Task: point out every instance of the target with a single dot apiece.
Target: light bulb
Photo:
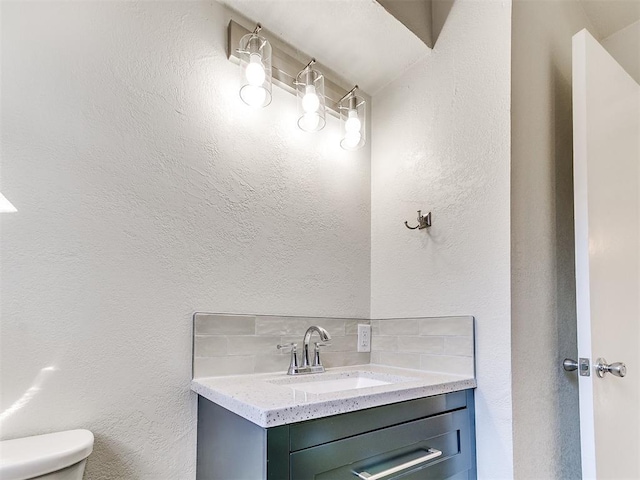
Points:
(353, 123)
(309, 122)
(310, 101)
(255, 70)
(253, 96)
(351, 139)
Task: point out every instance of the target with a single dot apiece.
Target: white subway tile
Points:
(384, 343)
(279, 326)
(458, 346)
(402, 360)
(206, 324)
(375, 358)
(292, 326)
(447, 326)
(333, 359)
(217, 366)
(210, 346)
(252, 345)
(375, 327)
(357, 358)
(399, 326)
(351, 326)
(272, 363)
(347, 343)
(447, 364)
(421, 344)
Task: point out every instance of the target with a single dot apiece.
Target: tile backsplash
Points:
(237, 344)
(441, 344)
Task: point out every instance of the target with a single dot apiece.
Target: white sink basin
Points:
(349, 383)
(328, 383)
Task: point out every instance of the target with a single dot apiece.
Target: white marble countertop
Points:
(270, 399)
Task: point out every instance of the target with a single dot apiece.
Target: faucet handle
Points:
(293, 364)
(316, 353)
(288, 346)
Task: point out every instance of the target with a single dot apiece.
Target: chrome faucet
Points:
(325, 338)
(317, 367)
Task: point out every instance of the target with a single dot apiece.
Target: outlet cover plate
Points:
(364, 338)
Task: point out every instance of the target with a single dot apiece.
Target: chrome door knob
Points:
(582, 365)
(618, 369)
(569, 365)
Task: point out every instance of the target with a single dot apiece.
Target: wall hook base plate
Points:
(424, 221)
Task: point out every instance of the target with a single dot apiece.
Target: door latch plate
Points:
(585, 367)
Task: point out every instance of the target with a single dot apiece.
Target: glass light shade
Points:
(311, 101)
(255, 66)
(353, 117)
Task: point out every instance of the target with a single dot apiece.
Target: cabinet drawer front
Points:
(384, 450)
(329, 429)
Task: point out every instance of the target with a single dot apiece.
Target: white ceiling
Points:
(357, 39)
(609, 16)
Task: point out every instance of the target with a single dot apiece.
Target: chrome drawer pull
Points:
(431, 454)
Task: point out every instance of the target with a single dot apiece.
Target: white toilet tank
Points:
(54, 456)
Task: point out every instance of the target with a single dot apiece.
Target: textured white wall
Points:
(441, 143)
(545, 398)
(145, 190)
(624, 46)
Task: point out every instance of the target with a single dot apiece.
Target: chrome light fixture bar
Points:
(284, 68)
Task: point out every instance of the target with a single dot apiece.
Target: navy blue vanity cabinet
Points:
(426, 438)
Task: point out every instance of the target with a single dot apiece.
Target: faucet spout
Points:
(324, 336)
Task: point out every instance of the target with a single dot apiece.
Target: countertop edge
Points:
(283, 415)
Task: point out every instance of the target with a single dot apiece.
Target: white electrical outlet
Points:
(364, 338)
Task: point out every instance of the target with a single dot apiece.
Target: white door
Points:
(606, 126)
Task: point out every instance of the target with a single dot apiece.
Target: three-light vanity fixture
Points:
(262, 65)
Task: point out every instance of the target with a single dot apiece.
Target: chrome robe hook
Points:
(424, 221)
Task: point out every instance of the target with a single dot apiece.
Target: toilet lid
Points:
(24, 458)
